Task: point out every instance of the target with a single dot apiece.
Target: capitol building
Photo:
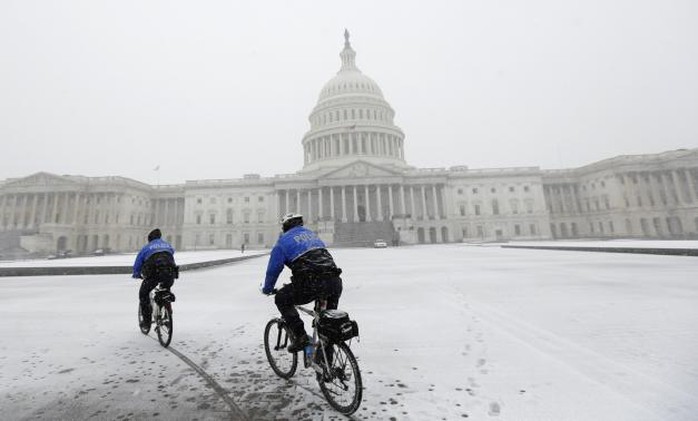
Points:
(356, 186)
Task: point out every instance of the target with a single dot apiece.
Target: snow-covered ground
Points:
(447, 332)
(183, 257)
(659, 244)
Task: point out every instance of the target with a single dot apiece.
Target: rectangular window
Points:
(212, 219)
(477, 209)
(260, 238)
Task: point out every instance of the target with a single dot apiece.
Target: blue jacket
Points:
(291, 245)
(148, 250)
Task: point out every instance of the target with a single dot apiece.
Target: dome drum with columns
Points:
(355, 187)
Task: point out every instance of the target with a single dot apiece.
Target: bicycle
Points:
(328, 354)
(161, 300)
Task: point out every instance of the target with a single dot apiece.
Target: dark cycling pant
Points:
(148, 285)
(302, 292)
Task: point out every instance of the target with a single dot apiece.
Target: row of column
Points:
(28, 210)
(679, 183)
(169, 211)
(334, 145)
(675, 185)
(363, 202)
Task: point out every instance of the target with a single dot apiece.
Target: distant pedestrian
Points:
(242, 248)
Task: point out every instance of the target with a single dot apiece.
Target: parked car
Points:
(380, 244)
(102, 251)
(61, 255)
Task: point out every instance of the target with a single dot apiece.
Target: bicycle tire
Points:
(164, 325)
(277, 338)
(343, 380)
(144, 330)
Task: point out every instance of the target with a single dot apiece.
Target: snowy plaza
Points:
(448, 332)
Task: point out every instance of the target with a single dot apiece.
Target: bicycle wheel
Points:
(277, 338)
(144, 330)
(164, 325)
(341, 384)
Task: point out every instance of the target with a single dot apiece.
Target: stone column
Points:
(356, 207)
(423, 199)
(390, 201)
(692, 194)
(176, 213)
(13, 212)
(379, 203)
(23, 211)
(344, 204)
(319, 201)
(368, 203)
(412, 201)
(54, 211)
(332, 203)
(2, 211)
(277, 197)
(75, 211)
(298, 201)
(436, 204)
(310, 205)
(32, 217)
(44, 209)
(64, 214)
(286, 205)
(402, 200)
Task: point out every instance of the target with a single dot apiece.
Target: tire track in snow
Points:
(237, 412)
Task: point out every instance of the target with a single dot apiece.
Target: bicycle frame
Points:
(317, 342)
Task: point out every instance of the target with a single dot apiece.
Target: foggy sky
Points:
(218, 89)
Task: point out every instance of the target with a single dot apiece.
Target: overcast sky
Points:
(218, 89)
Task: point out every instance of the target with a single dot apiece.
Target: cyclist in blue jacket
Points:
(155, 264)
(313, 275)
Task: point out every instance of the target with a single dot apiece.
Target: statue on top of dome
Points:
(346, 37)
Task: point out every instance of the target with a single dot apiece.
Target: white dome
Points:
(350, 82)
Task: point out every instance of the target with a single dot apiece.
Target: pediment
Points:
(40, 179)
(360, 169)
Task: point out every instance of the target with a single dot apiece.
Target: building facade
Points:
(356, 186)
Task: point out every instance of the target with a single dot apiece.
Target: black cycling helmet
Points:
(154, 234)
(291, 220)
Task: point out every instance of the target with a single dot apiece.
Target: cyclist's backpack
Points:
(336, 326)
(161, 266)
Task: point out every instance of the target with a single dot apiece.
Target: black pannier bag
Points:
(164, 296)
(336, 326)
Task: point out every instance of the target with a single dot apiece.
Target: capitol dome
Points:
(352, 120)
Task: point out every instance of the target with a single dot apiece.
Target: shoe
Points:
(299, 342)
(145, 324)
